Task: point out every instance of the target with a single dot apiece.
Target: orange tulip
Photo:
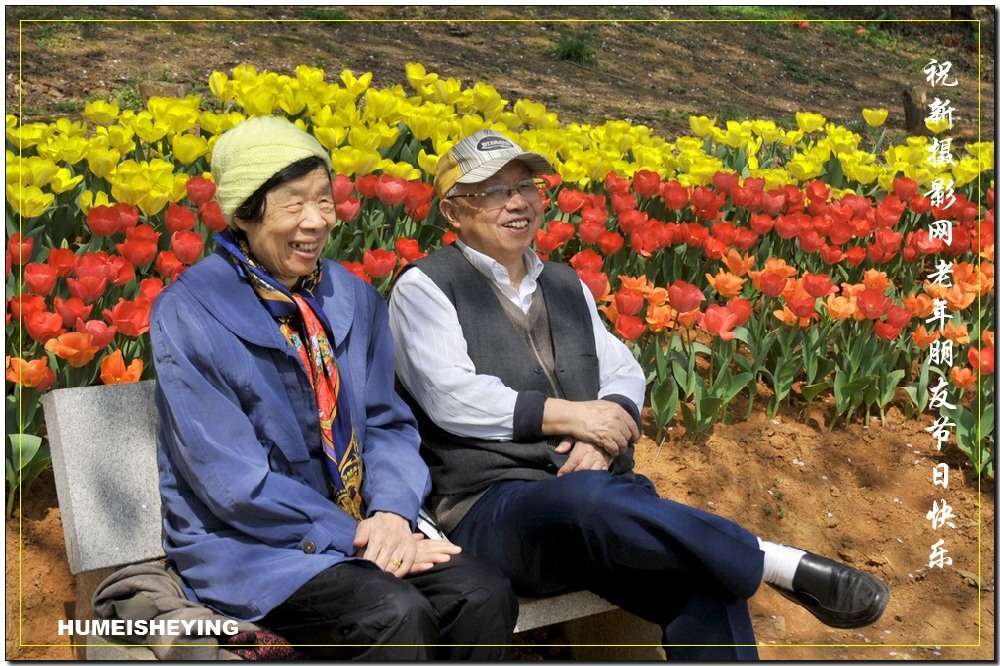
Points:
(113, 369)
(923, 339)
(657, 296)
(959, 334)
(840, 307)
(659, 317)
(77, 349)
(736, 264)
(30, 374)
(688, 319)
(987, 338)
(726, 284)
(877, 280)
(920, 305)
(963, 378)
(786, 316)
(640, 283)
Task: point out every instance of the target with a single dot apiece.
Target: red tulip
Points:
(130, 317)
(831, 254)
(43, 325)
(772, 284)
(391, 190)
(810, 241)
(872, 303)
(570, 201)
(348, 211)
(150, 288)
(586, 260)
(179, 218)
(802, 306)
(726, 181)
(818, 286)
(365, 185)
(88, 288)
(596, 282)
(357, 269)
(62, 260)
(122, 271)
(40, 278)
(23, 304)
(448, 238)
(103, 221)
(855, 255)
(187, 246)
(379, 263)
(343, 188)
(71, 309)
(168, 265)
(20, 248)
(622, 202)
(674, 195)
(100, 333)
(982, 361)
(684, 297)
(629, 327)
(409, 249)
(629, 301)
(718, 320)
(590, 232)
(140, 244)
(610, 242)
(646, 183)
(594, 215)
(615, 184)
(740, 307)
(200, 190)
(211, 216)
(761, 223)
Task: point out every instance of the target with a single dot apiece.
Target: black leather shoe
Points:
(838, 595)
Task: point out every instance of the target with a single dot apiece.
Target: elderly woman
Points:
(289, 467)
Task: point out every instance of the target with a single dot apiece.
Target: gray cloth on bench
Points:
(149, 592)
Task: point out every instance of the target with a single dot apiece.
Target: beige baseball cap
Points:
(479, 156)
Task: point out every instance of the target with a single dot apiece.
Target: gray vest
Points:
(551, 350)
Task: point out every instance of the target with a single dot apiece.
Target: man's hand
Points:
(582, 455)
(600, 422)
(387, 540)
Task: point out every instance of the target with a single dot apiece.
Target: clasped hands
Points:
(387, 540)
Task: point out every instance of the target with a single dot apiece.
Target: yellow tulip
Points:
(148, 129)
(351, 161)
(40, 171)
(257, 100)
(64, 181)
(399, 169)
(487, 100)
(101, 112)
(875, 117)
(330, 137)
(702, 125)
(28, 135)
(29, 201)
(310, 77)
(292, 100)
(529, 112)
(422, 125)
(101, 161)
(417, 76)
(427, 162)
(942, 124)
(382, 105)
(356, 86)
(809, 122)
(188, 147)
(220, 86)
(217, 123)
(89, 199)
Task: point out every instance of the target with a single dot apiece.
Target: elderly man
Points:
(529, 409)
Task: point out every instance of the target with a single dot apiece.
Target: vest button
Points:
(309, 547)
(538, 370)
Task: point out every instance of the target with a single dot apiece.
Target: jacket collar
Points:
(217, 284)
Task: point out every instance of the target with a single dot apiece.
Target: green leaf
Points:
(24, 447)
(811, 391)
(663, 401)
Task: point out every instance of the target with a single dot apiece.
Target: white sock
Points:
(780, 563)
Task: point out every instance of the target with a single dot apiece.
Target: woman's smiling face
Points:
(298, 217)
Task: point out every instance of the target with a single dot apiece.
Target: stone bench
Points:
(103, 442)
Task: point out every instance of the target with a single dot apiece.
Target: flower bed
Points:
(796, 261)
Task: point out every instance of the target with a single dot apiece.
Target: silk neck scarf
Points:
(305, 326)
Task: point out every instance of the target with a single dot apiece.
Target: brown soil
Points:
(857, 494)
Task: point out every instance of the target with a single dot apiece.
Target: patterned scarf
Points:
(292, 310)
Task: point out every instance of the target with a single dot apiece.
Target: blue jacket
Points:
(247, 518)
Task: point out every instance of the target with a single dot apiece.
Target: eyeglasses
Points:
(498, 195)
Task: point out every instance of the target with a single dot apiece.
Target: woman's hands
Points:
(387, 540)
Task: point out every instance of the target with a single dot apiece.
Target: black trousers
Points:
(462, 609)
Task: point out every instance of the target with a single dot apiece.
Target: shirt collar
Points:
(496, 271)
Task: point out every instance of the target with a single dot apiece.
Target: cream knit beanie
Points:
(246, 156)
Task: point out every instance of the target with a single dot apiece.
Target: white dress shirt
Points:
(432, 359)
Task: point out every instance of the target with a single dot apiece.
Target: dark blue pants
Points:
(686, 570)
